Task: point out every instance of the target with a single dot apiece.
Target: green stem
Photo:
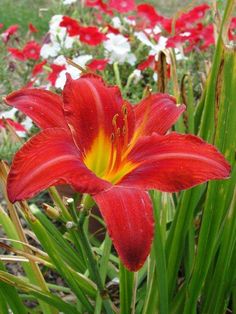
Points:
(117, 75)
(103, 269)
(58, 201)
(91, 261)
(126, 289)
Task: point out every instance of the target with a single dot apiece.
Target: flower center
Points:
(107, 157)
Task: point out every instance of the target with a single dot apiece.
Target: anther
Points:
(114, 119)
(124, 110)
(124, 130)
(112, 137)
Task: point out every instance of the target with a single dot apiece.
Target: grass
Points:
(24, 12)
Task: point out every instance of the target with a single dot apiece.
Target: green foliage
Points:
(8, 148)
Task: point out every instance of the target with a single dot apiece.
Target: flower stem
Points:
(88, 253)
(117, 74)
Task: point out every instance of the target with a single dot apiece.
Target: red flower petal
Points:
(31, 50)
(38, 68)
(9, 32)
(32, 28)
(147, 63)
(98, 4)
(72, 25)
(157, 113)
(97, 64)
(90, 107)
(174, 162)
(129, 218)
(17, 126)
(43, 107)
(56, 70)
(16, 53)
(49, 158)
(122, 6)
(91, 35)
(147, 16)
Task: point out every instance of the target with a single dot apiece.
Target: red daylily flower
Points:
(122, 6)
(97, 142)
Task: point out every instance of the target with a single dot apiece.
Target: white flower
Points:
(161, 45)
(55, 21)
(179, 55)
(129, 21)
(156, 30)
(116, 22)
(50, 50)
(155, 77)
(136, 75)
(73, 71)
(58, 38)
(58, 34)
(143, 38)
(155, 48)
(9, 114)
(68, 2)
(117, 49)
(60, 60)
(185, 34)
(27, 123)
(131, 59)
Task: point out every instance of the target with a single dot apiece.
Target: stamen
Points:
(118, 149)
(125, 128)
(111, 161)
